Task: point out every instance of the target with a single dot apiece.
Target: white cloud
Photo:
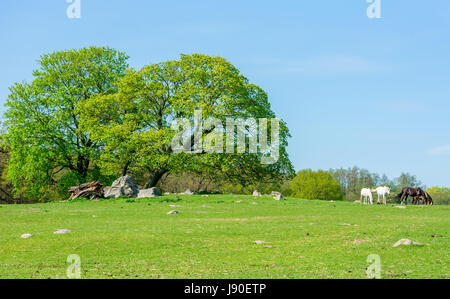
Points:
(439, 151)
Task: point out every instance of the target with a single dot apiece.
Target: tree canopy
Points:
(135, 124)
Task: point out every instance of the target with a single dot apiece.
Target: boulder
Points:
(123, 186)
(257, 193)
(406, 242)
(62, 232)
(189, 192)
(147, 193)
(278, 196)
(173, 213)
(26, 236)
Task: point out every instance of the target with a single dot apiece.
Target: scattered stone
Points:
(167, 193)
(400, 207)
(205, 195)
(174, 206)
(257, 194)
(62, 232)
(26, 236)
(347, 224)
(254, 203)
(173, 213)
(123, 186)
(149, 193)
(268, 246)
(259, 242)
(206, 207)
(357, 201)
(406, 242)
(239, 201)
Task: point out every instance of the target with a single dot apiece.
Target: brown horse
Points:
(425, 199)
(408, 191)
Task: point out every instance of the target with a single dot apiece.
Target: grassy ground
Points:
(214, 237)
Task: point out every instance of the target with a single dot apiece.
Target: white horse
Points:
(382, 191)
(367, 194)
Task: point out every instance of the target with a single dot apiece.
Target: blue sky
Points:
(353, 90)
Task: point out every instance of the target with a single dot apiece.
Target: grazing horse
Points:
(428, 199)
(367, 194)
(408, 191)
(424, 198)
(382, 191)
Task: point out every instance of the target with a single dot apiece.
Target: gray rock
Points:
(400, 207)
(189, 192)
(406, 242)
(26, 236)
(259, 242)
(257, 193)
(147, 193)
(279, 196)
(123, 186)
(172, 213)
(62, 232)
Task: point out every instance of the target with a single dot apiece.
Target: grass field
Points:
(214, 237)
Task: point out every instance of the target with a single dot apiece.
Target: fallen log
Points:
(90, 190)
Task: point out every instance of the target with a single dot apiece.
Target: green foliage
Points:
(320, 184)
(133, 125)
(42, 126)
(440, 195)
(407, 180)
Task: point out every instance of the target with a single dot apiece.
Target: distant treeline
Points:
(352, 180)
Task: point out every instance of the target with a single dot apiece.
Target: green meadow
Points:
(214, 237)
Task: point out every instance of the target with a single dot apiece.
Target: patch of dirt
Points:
(360, 241)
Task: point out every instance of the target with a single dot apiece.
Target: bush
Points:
(315, 185)
(440, 195)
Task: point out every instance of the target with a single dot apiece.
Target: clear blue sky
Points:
(353, 90)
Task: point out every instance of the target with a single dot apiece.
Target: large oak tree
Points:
(133, 125)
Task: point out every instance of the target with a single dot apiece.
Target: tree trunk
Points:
(89, 190)
(154, 178)
(125, 169)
